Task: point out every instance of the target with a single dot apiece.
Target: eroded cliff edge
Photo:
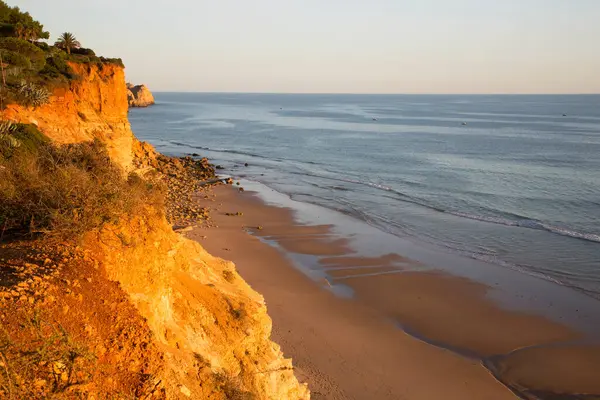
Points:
(212, 329)
(92, 106)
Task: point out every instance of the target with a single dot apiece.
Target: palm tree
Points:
(67, 41)
(20, 30)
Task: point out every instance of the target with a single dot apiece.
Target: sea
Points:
(511, 180)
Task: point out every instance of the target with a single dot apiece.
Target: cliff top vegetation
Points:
(30, 67)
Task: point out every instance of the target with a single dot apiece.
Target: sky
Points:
(340, 46)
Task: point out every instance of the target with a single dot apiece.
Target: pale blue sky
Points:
(341, 46)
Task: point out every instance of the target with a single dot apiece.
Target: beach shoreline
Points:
(353, 323)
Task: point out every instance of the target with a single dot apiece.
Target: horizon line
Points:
(378, 94)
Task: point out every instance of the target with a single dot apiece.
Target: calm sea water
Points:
(512, 180)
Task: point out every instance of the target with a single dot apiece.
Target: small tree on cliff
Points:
(67, 41)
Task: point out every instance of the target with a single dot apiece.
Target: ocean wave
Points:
(480, 254)
(508, 219)
(529, 224)
(574, 234)
(244, 153)
(513, 220)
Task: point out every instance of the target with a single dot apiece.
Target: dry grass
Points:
(231, 387)
(66, 191)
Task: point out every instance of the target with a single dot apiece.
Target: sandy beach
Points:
(400, 333)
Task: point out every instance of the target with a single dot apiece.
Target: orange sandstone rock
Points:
(94, 106)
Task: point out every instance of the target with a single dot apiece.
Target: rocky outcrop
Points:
(139, 96)
(94, 106)
(213, 328)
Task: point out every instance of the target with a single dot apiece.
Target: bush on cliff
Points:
(57, 67)
(14, 22)
(33, 53)
(66, 191)
(83, 51)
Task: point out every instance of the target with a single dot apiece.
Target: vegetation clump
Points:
(64, 191)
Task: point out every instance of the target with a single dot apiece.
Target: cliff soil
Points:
(68, 331)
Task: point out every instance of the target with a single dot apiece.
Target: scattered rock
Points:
(184, 178)
(185, 391)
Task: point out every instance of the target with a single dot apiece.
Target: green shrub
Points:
(24, 137)
(50, 71)
(15, 59)
(83, 51)
(45, 47)
(6, 29)
(36, 56)
(116, 61)
(14, 22)
(84, 59)
(30, 137)
(8, 141)
(66, 191)
(56, 66)
(33, 95)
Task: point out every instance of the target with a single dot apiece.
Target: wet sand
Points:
(376, 327)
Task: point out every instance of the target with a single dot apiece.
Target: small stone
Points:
(185, 391)
(58, 367)
(39, 383)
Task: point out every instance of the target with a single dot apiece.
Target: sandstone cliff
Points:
(95, 106)
(211, 327)
(139, 96)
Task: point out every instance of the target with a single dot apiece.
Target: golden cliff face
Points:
(95, 106)
(213, 328)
